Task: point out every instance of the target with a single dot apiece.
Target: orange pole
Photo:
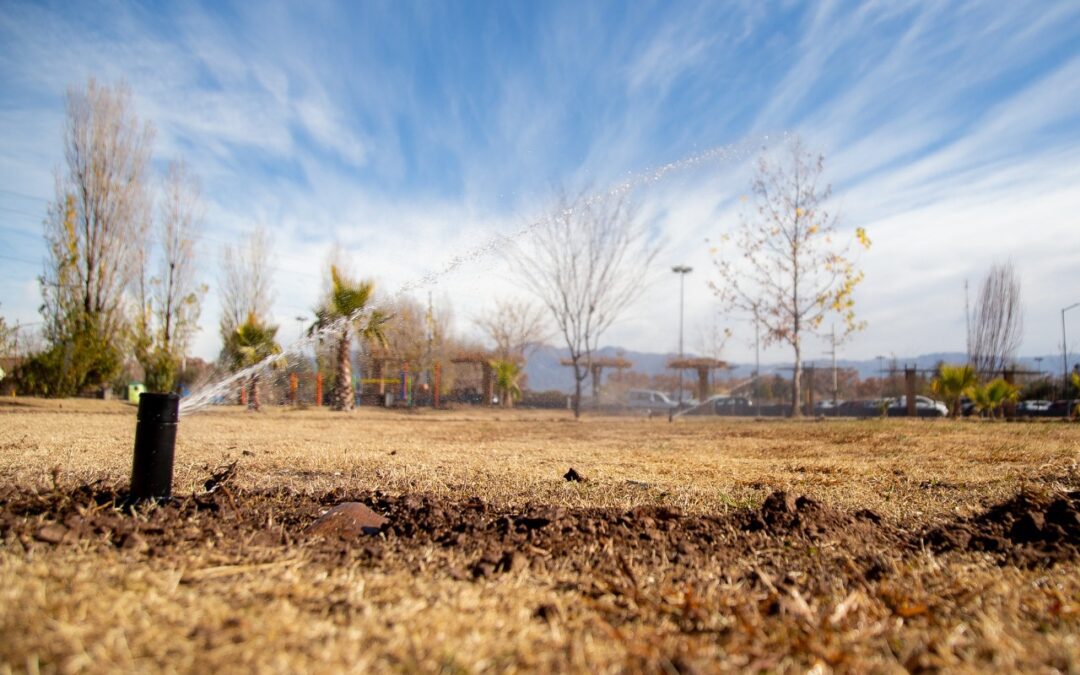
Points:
(244, 394)
(318, 389)
(294, 383)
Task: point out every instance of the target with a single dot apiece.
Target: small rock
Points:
(53, 533)
(347, 521)
(574, 476)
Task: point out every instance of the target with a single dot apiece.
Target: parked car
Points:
(1062, 408)
(967, 406)
(730, 405)
(828, 408)
(860, 408)
(924, 407)
(1033, 408)
(647, 399)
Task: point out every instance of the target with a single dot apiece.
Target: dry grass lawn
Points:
(870, 597)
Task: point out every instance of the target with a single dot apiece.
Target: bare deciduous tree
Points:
(711, 339)
(788, 271)
(514, 326)
(9, 338)
(170, 298)
(997, 321)
(246, 285)
(93, 231)
(586, 262)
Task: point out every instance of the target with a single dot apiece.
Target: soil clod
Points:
(220, 477)
(347, 521)
(575, 477)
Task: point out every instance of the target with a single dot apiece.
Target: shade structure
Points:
(703, 366)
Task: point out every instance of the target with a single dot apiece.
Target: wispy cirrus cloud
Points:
(411, 134)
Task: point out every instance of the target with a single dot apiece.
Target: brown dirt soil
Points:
(1030, 529)
(496, 539)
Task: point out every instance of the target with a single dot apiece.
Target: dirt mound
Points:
(783, 514)
(1029, 529)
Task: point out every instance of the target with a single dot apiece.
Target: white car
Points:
(647, 399)
(924, 407)
(1032, 407)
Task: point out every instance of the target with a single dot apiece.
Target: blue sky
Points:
(411, 133)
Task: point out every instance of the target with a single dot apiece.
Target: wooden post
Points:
(809, 371)
(438, 385)
(597, 371)
(318, 390)
(294, 384)
(405, 383)
(909, 391)
(703, 384)
(488, 383)
(244, 394)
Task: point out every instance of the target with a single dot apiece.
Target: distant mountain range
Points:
(545, 372)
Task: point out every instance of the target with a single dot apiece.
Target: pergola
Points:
(487, 373)
(703, 366)
(597, 370)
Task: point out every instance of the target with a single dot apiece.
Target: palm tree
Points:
(344, 310)
(507, 373)
(251, 343)
(952, 383)
(992, 395)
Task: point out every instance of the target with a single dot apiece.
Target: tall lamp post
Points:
(682, 271)
(881, 375)
(1065, 347)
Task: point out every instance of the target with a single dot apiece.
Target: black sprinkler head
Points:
(155, 441)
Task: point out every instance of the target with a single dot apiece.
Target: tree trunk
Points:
(253, 396)
(342, 396)
(796, 383)
(577, 394)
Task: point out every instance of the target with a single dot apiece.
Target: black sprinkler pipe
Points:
(155, 440)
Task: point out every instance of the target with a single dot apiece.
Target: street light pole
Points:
(682, 271)
(1065, 347)
(881, 375)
